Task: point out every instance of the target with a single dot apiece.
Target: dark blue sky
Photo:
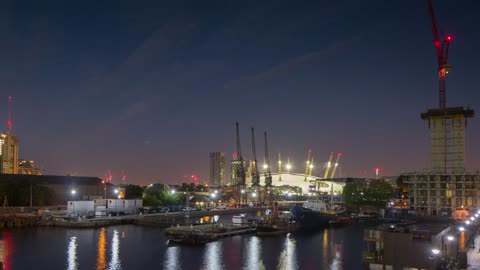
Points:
(152, 87)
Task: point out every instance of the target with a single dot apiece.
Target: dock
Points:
(217, 231)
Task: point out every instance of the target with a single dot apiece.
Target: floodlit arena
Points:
(294, 179)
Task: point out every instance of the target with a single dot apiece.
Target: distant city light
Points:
(450, 238)
(461, 228)
(435, 251)
(74, 191)
(265, 166)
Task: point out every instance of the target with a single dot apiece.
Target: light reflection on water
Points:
(254, 254)
(115, 263)
(288, 257)
(213, 258)
(102, 246)
(337, 258)
(144, 249)
(172, 258)
(6, 250)
(72, 263)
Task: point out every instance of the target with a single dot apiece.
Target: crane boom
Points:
(255, 175)
(241, 168)
(441, 48)
(335, 165)
(268, 173)
(329, 164)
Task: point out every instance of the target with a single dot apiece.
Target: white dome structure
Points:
(295, 179)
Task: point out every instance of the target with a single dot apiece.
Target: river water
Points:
(138, 247)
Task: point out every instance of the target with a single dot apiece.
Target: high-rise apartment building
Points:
(217, 168)
(8, 153)
(447, 138)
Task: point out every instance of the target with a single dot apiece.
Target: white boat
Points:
(240, 219)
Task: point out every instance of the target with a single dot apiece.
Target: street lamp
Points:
(104, 189)
(73, 198)
(461, 228)
(213, 195)
(450, 238)
(435, 251)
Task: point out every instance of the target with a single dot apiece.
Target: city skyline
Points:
(152, 88)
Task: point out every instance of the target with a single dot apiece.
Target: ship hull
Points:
(309, 219)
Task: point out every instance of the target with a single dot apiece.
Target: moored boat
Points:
(313, 214)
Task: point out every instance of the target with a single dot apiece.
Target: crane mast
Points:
(241, 168)
(268, 173)
(255, 175)
(329, 164)
(441, 48)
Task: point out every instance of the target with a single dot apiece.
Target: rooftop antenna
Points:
(9, 121)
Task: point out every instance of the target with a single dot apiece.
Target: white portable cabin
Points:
(80, 208)
(107, 206)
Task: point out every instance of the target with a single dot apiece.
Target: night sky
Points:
(152, 87)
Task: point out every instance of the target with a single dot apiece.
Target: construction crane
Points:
(9, 121)
(329, 164)
(241, 168)
(255, 175)
(308, 164)
(335, 165)
(441, 48)
(268, 173)
(279, 166)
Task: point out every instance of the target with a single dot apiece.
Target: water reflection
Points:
(115, 263)
(102, 246)
(213, 258)
(6, 250)
(72, 263)
(172, 258)
(254, 254)
(288, 256)
(337, 258)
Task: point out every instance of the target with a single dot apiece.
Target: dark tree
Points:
(133, 192)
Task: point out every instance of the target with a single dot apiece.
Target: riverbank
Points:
(19, 220)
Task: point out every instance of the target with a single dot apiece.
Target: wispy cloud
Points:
(293, 63)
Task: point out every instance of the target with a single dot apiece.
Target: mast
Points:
(268, 173)
(255, 175)
(241, 168)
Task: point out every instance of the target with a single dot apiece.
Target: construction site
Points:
(447, 189)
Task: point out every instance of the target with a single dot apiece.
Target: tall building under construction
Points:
(217, 168)
(447, 138)
(8, 153)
